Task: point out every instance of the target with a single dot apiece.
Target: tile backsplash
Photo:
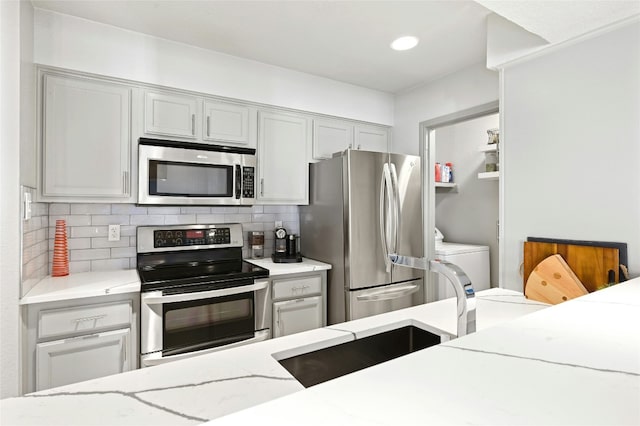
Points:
(35, 247)
(87, 226)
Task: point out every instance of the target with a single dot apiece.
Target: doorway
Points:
(466, 210)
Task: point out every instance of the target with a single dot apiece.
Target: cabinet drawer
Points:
(286, 289)
(56, 322)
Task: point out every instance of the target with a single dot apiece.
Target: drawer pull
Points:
(79, 321)
(93, 318)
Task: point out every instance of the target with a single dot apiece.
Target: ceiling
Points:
(347, 41)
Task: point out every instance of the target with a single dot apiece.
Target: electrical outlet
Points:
(278, 224)
(114, 233)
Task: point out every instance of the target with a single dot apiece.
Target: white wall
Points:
(571, 133)
(455, 92)
(27, 98)
(75, 43)
(10, 23)
(470, 214)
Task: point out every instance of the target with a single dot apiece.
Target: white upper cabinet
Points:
(283, 168)
(228, 122)
(86, 143)
(371, 138)
(330, 136)
(170, 114)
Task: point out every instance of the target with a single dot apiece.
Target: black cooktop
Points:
(218, 268)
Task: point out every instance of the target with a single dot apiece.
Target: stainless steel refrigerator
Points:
(362, 206)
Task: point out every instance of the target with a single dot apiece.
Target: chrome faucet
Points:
(465, 295)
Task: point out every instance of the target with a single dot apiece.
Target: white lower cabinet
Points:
(299, 303)
(76, 340)
(66, 361)
(294, 316)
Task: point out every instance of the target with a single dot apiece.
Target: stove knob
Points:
(179, 241)
(158, 243)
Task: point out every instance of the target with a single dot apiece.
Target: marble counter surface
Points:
(195, 390)
(84, 284)
(275, 269)
(576, 363)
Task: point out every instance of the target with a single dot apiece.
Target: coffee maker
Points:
(286, 247)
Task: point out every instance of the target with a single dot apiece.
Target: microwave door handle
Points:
(185, 297)
(238, 179)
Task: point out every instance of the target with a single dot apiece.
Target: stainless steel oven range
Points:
(197, 293)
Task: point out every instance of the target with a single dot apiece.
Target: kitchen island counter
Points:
(574, 363)
(486, 377)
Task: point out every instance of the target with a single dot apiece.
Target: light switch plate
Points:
(114, 233)
(27, 205)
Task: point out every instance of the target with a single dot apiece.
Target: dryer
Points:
(473, 259)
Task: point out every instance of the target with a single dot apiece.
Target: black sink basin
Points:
(335, 361)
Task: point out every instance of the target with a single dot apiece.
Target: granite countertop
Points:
(275, 269)
(84, 284)
(198, 389)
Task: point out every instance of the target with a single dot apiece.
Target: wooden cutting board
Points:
(590, 264)
(553, 281)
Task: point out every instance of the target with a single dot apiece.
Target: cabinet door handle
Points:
(208, 125)
(124, 349)
(125, 178)
(350, 145)
(261, 186)
(359, 146)
(193, 124)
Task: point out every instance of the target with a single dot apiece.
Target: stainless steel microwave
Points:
(183, 173)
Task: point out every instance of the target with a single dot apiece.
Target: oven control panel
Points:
(191, 237)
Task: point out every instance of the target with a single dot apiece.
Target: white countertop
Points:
(195, 390)
(84, 284)
(574, 363)
(275, 269)
(92, 284)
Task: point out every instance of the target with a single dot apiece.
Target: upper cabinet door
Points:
(330, 136)
(283, 167)
(86, 146)
(372, 138)
(170, 115)
(227, 122)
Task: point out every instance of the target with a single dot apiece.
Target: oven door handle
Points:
(157, 358)
(184, 297)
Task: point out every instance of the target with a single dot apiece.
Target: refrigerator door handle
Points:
(395, 208)
(389, 294)
(385, 189)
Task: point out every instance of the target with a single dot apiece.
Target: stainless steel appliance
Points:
(197, 294)
(363, 206)
(182, 173)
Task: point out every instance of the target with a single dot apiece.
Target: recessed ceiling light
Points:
(404, 43)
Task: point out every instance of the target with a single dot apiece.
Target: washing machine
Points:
(473, 259)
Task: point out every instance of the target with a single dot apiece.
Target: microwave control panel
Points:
(191, 237)
(248, 182)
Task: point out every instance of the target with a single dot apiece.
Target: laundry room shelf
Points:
(488, 147)
(446, 186)
(489, 175)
